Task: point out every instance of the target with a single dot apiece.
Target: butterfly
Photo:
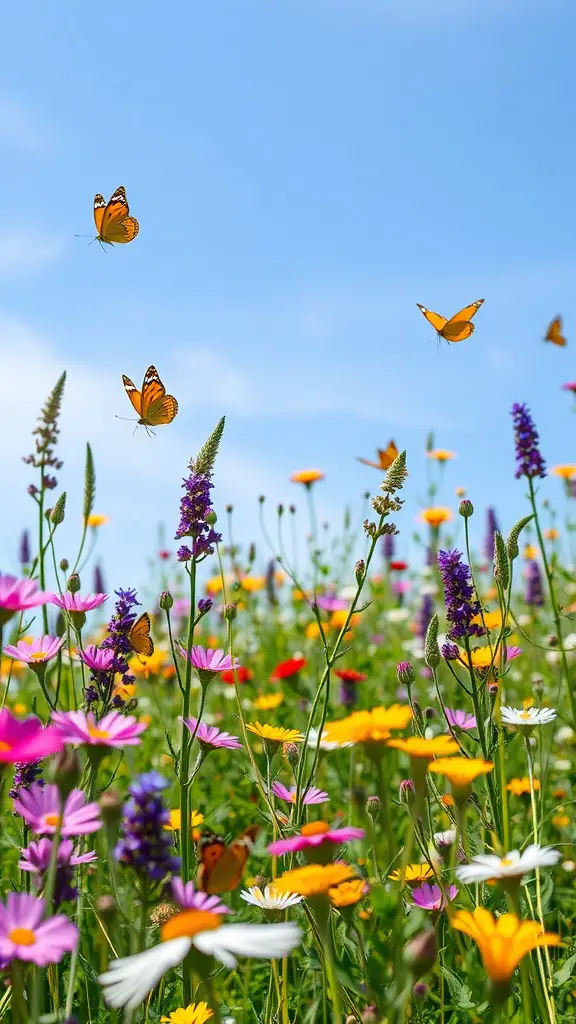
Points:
(112, 219)
(458, 327)
(554, 333)
(139, 636)
(221, 865)
(152, 404)
(386, 457)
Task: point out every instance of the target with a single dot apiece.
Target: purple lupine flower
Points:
(25, 775)
(24, 549)
(529, 461)
(459, 598)
(117, 643)
(121, 622)
(534, 595)
(388, 545)
(450, 652)
(99, 585)
(424, 616)
(145, 845)
(195, 506)
(492, 529)
(37, 856)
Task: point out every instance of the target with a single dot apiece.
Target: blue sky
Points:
(303, 174)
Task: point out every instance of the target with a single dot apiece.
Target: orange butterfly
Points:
(112, 219)
(139, 636)
(152, 404)
(386, 457)
(458, 327)
(221, 866)
(554, 333)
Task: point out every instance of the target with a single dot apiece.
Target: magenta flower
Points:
(187, 896)
(513, 652)
(315, 834)
(210, 737)
(26, 740)
(42, 649)
(114, 730)
(400, 586)
(571, 386)
(330, 603)
(18, 596)
(313, 796)
(460, 719)
(25, 936)
(78, 603)
(431, 897)
(36, 856)
(99, 659)
(42, 811)
(209, 661)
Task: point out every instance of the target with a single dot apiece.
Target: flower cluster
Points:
(529, 461)
(145, 845)
(195, 507)
(461, 605)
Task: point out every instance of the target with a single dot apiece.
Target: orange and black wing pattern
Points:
(139, 636)
(221, 865)
(157, 407)
(554, 333)
(134, 395)
(112, 219)
(458, 327)
(386, 457)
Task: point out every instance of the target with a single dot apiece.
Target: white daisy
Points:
(270, 899)
(127, 982)
(485, 867)
(527, 718)
(324, 743)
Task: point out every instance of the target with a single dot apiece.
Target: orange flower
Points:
(519, 787)
(551, 533)
(502, 941)
(436, 515)
(440, 455)
(566, 471)
(369, 726)
(414, 746)
(307, 476)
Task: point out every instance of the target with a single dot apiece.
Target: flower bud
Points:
(205, 604)
(73, 585)
(230, 612)
(405, 674)
(211, 518)
(429, 713)
(373, 806)
(163, 912)
(407, 792)
(252, 553)
(420, 991)
(466, 508)
(262, 499)
(493, 689)
(58, 513)
(65, 771)
(370, 1016)
(431, 649)
(280, 510)
(110, 807)
(420, 953)
(229, 509)
(166, 601)
(291, 754)
(64, 564)
(106, 908)
(261, 881)
(360, 570)
(292, 509)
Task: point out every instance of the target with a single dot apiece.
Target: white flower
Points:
(570, 642)
(324, 743)
(397, 614)
(446, 838)
(127, 982)
(270, 899)
(527, 718)
(562, 765)
(488, 866)
(564, 734)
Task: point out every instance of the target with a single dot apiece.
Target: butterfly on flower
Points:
(139, 636)
(153, 405)
(458, 327)
(112, 218)
(222, 865)
(386, 457)
(554, 333)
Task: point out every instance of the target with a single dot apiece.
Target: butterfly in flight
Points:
(112, 219)
(458, 327)
(386, 457)
(139, 636)
(153, 405)
(554, 333)
(222, 865)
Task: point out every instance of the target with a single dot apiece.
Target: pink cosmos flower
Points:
(431, 897)
(210, 736)
(19, 595)
(400, 586)
(36, 857)
(313, 796)
(25, 936)
(571, 386)
(97, 658)
(187, 896)
(460, 719)
(330, 603)
(114, 730)
(78, 603)
(42, 649)
(513, 652)
(26, 740)
(208, 660)
(314, 834)
(42, 810)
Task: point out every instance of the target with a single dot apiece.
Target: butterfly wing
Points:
(99, 207)
(134, 395)
(211, 848)
(139, 636)
(387, 455)
(554, 333)
(157, 406)
(222, 866)
(438, 322)
(162, 411)
(368, 462)
(458, 326)
(116, 224)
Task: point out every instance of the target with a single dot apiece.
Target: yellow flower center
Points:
(98, 734)
(525, 714)
(38, 656)
(22, 936)
(4, 747)
(52, 819)
(315, 828)
(190, 923)
(505, 862)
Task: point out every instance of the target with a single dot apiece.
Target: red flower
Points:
(164, 554)
(287, 669)
(242, 675)
(350, 675)
(399, 566)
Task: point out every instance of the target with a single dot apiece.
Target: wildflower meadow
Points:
(336, 788)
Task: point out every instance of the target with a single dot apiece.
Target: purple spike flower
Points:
(461, 606)
(424, 616)
(491, 530)
(388, 546)
(24, 550)
(534, 595)
(117, 641)
(145, 845)
(99, 584)
(529, 461)
(195, 506)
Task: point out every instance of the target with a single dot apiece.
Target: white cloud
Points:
(24, 251)
(18, 128)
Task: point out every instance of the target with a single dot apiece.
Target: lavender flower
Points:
(118, 642)
(450, 652)
(461, 606)
(388, 545)
(99, 584)
(145, 845)
(195, 508)
(424, 615)
(25, 775)
(24, 550)
(534, 595)
(529, 461)
(491, 530)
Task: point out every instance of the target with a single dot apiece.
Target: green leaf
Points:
(459, 992)
(565, 973)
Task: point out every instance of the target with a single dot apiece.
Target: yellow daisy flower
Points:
(252, 583)
(440, 455)
(414, 874)
(415, 746)
(518, 787)
(307, 476)
(314, 879)
(435, 516)
(275, 734)
(96, 520)
(195, 1013)
(268, 701)
(461, 771)
(196, 818)
(369, 726)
